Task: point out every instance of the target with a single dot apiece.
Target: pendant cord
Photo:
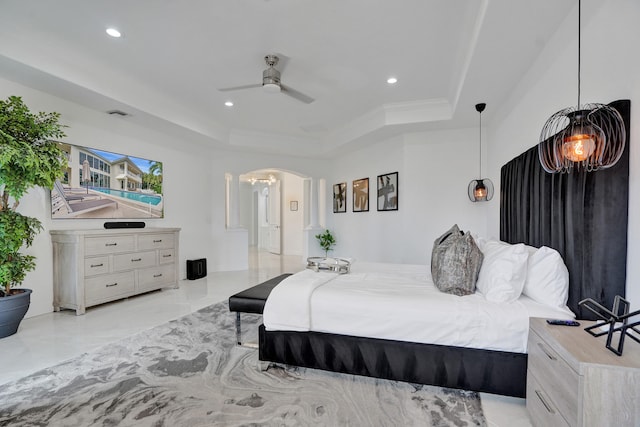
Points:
(480, 162)
(579, 33)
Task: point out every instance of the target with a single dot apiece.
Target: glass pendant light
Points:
(481, 189)
(589, 136)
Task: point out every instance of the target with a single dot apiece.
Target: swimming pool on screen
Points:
(149, 199)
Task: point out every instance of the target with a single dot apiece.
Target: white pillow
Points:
(547, 278)
(503, 271)
(480, 241)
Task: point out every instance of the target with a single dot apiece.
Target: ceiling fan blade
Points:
(227, 89)
(295, 94)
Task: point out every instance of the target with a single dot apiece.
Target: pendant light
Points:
(481, 189)
(589, 136)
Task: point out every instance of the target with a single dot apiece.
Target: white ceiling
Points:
(174, 55)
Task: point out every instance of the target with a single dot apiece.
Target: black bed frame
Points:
(490, 371)
(497, 372)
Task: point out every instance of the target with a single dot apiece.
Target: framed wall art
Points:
(361, 195)
(340, 197)
(388, 192)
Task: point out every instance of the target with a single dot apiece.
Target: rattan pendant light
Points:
(589, 136)
(481, 189)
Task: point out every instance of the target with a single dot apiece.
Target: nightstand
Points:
(573, 380)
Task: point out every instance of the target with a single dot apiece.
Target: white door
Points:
(274, 218)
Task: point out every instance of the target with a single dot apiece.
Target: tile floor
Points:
(51, 338)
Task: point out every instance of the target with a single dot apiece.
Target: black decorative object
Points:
(123, 224)
(481, 189)
(618, 315)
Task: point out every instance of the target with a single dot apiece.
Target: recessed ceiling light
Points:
(229, 104)
(113, 32)
(392, 80)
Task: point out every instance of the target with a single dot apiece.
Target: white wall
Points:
(292, 221)
(194, 188)
(610, 71)
(434, 170)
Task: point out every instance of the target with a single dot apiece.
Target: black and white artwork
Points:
(340, 197)
(361, 195)
(388, 192)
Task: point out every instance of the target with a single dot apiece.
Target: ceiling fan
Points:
(271, 82)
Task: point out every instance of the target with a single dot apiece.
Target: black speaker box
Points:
(134, 224)
(196, 268)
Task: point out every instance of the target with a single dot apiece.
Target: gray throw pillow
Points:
(436, 254)
(456, 262)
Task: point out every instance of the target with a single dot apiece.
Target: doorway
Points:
(272, 209)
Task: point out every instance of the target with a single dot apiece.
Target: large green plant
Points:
(29, 157)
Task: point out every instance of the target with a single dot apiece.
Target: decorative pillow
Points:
(435, 254)
(503, 271)
(455, 262)
(547, 279)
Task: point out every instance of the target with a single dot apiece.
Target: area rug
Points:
(190, 372)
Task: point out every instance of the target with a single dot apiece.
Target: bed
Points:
(390, 321)
(582, 216)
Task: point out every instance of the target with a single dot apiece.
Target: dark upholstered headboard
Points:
(582, 215)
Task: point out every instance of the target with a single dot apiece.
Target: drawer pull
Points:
(97, 265)
(136, 260)
(166, 256)
(112, 285)
(157, 241)
(544, 402)
(545, 351)
(157, 275)
(111, 244)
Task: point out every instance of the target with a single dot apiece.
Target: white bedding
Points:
(399, 302)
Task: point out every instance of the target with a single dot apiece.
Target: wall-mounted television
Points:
(104, 185)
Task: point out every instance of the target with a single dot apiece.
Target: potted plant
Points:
(28, 158)
(327, 241)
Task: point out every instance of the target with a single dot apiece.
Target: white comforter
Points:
(399, 302)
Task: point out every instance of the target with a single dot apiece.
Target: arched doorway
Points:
(272, 208)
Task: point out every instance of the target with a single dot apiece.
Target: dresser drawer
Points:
(562, 384)
(134, 260)
(156, 241)
(157, 277)
(166, 256)
(96, 265)
(108, 244)
(106, 288)
(540, 406)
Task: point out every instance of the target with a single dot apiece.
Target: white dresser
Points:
(92, 267)
(573, 380)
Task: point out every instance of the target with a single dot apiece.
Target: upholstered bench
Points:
(252, 300)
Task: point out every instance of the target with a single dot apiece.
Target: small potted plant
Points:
(327, 241)
(29, 157)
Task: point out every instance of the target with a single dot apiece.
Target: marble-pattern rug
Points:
(190, 372)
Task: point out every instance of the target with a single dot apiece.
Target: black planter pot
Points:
(12, 311)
